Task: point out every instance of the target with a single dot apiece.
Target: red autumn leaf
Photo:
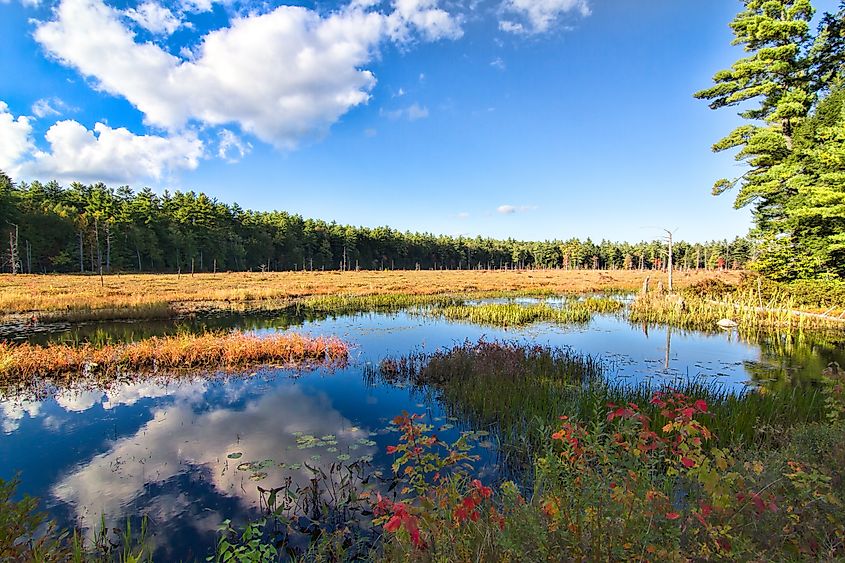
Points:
(672, 515)
(391, 449)
(394, 523)
(687, 462)
(701, 405)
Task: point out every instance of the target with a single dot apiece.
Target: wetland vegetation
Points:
(465, 399)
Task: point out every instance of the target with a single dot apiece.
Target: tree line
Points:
(91, 228)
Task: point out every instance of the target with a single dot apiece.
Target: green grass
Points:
(749, 312)
(349, 304)
(512, 314)
(521, 391)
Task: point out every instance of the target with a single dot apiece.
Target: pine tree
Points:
(790, 87)
(776, 34)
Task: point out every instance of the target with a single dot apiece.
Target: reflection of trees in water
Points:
(112, 332)
(786, 358)
(792, 358)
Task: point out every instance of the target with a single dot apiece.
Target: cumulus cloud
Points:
(15, 139)
(154, 17)
(111, 155)
(423, 16)
(285, 76)
(105, 154)
(538, 16)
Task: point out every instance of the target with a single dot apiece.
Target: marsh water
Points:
(190, 452)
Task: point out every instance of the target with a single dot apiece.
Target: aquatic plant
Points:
(347, 304)
(519, 390)
(512, 314)
(170, 353)
(27, 534)
(747, 310)
(602, 304)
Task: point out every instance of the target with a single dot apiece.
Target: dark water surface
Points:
(192, 452)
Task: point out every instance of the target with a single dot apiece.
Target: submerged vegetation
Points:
(21, 362)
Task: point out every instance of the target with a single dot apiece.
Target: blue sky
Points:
(531, 119)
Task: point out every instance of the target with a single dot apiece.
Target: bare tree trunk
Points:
(669, 260)
(14, 260)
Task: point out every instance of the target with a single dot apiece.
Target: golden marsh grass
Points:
(209, 351)
(78, 296)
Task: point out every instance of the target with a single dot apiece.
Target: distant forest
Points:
(93, 228)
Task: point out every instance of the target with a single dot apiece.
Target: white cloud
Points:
(425, 17)
(78, 400)
(284, 76)
(154, 17)
(111, 155)
(13, 410)
(46, 107)
(102, 154)
(232, 148)
(15, 139)
(463, 215)
(261, 429)
(498, 63)
(540, 15)
(511, 209)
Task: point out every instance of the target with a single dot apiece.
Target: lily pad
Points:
(235, 455)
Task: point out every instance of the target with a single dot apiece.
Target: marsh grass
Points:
(350, 304)
(20, 362)
(512, 314)
(520, 391)
(61, 293)
(602, 304)
(702, 312)
(145, 311)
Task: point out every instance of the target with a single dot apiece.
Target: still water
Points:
(191, 452)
